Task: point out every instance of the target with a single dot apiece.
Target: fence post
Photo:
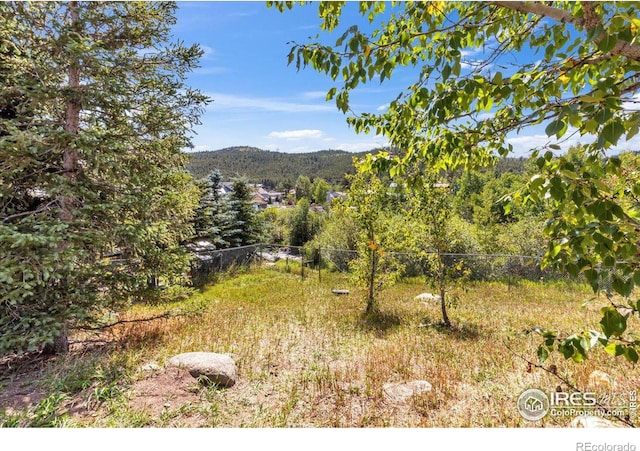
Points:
(319, 264)
(302, 266)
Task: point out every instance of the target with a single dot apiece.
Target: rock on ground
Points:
(428, 297)
(403, 391)
(218, 369)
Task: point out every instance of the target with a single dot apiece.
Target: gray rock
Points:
(218, 369)
(403, 391)
(428, 297)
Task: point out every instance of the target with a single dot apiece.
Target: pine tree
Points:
(245, 228)
(94, 116)
(214, 219)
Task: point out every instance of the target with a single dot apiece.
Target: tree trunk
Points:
(443, 307)
(70, 166)
(60, 344)
(372, 278)
(441, 280)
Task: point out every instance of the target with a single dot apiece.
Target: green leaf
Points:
(603, 115)
(566, 348)
(543, 353)
(613, 323)
(613, 131)
(607, 43)
(446, 72)
(622, 287)
(555, 127)
(631, 354)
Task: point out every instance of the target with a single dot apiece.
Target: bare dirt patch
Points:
(17, 377)
(169, 388)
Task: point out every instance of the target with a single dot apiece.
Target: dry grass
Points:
(308, 358)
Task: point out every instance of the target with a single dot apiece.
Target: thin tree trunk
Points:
(69, 164)
(372, 277)
(443, 303)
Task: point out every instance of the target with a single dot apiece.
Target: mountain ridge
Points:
(273, 167)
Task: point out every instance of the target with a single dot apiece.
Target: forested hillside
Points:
(272, 168)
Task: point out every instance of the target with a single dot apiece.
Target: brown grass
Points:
(308, 358)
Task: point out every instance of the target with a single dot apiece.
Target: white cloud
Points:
(294, 135)
(361, 146)
(632, 104)
(314, 95)
(384, 107)
(230, 102)
(485, 116)
(208, 52)
(523, 144)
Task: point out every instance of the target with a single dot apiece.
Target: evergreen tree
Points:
(245, 226)
(213, 218)
(95, 115)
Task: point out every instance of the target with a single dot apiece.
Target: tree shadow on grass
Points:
(380, 323)
(457, 331)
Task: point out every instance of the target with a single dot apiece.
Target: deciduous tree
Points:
(474, 84)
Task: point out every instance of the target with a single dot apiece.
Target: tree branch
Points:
(590, 21)
(26, 213)
(540, 9)
(127, 321)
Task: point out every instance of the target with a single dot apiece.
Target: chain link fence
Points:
(301, 260)
(208, 263)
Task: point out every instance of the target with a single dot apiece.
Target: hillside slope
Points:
(261, 166)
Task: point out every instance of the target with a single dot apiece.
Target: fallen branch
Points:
(128, 321)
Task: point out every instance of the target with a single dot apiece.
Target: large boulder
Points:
(209, 367)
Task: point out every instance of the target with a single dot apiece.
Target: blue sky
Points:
(260, 101)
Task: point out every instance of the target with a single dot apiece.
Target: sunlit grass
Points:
(307, 357)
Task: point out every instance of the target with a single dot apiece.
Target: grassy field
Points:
(309, 358)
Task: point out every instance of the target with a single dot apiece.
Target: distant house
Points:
(274, 198)
(260, 197)
(226, 188)
(259, 203)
